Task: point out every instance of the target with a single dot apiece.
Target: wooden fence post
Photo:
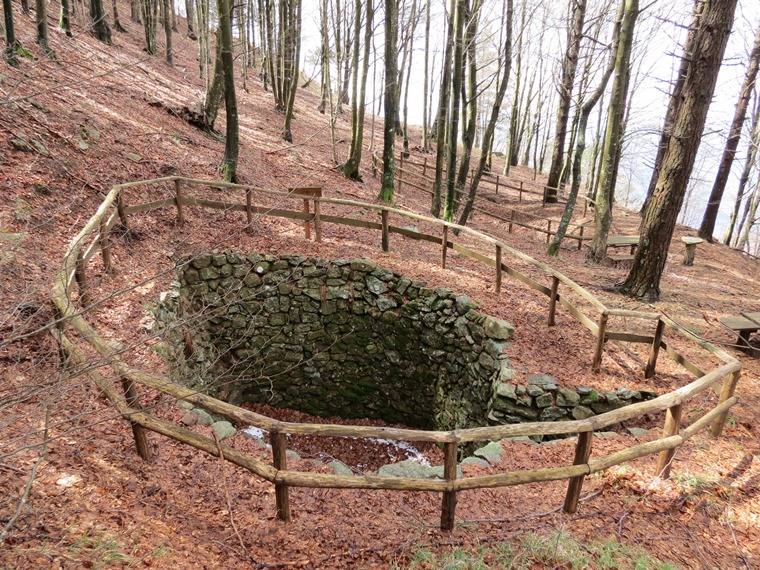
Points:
(317, 220)
(520, 191)
(553, 300)
(178, 201)
(498, 269)
(655, 350)
(444, 245)
(306, 225)
(672, 427)
(548, 230)
(600, 334)
(248, 209)
(386, 234)
(580, 239)
(424, 166)
(726, 392)
(574, 486)
(449, 502)
(400, 172)
(497, 184)
(80, 276)
(105, 245)
(511, 219)
(138, 432)
(281, 464)
(122, 212)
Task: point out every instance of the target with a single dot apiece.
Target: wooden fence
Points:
(405, 175)
(94, 238)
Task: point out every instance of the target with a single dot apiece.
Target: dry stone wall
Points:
(340, 337)
(353, 339)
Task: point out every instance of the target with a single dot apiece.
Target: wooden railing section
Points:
(94, 238)
(405, 174)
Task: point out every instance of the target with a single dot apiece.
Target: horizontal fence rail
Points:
(561, 291)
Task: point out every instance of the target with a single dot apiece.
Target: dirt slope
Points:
(95, 116)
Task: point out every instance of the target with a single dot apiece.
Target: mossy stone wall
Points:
(340, 337)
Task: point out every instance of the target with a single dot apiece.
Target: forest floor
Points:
(96, 116)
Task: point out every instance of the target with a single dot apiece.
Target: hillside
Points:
(96, 116)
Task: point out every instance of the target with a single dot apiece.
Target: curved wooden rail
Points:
(94, 238)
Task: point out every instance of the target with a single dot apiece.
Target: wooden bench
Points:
(631, 242)
(745, 325)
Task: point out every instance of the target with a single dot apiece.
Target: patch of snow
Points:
(254, 432)
(414, 453)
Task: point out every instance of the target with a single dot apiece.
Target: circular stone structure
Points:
(340, 337)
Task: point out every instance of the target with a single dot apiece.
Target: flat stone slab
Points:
(637, 431)
(689, 240)
(491, 452)
(223, 429)
(406, 468)
(475, 461)
(340, 468)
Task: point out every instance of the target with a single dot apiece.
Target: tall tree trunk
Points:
(294, 55)
(149, 16)
(413, 25)
(749, 219)
(513, 149)
(351, 167)
(116, 20)
(453, 130)
(713, 204)
(569, 67)
(749, 163)
(11, 43)
(99, 25)
(134, 10)
(585, 113)
(426, 79)
(659, 221)
(64, 21)
(324, 58)
(612, 139)
(390, 98)
(40, 12)
(167, 13)
(215, 91)
(443, 109)
(675, 100)
(190, 11)
(506, 64)
(472, 15)
(228, 167)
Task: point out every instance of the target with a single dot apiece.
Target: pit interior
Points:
(350, 338)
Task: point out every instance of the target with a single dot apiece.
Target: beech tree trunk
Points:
(390, 101)
(40, 10)
(613, 135)
(711, 37)
(167, 13)
(506, 64)
(351, 167)
(443, 112)
(11, 43)
(228, 167)
(749, 163)
(569, 67)
(456, 94)
(713, 204)
(99, 25)
(585, 113)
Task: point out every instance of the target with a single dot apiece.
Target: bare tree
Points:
(565, 91)
(749, 163)
(734, 134)
(390, 101)
(711, 37)
(613, 134)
